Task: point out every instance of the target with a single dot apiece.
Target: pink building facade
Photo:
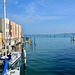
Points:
(12, 31)
(19, 32)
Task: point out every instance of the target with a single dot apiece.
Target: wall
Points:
(12, 32)
(12, 29)
(0, 39)
(2, 28)
(16, 30)
(19, 31)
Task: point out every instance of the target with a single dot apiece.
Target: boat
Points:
(15, 56)
(13, 72)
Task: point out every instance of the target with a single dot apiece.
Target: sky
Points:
(42, 16)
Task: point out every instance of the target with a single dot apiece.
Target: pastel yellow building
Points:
(1, 39)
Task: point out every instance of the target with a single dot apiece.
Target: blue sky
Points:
(43, 16)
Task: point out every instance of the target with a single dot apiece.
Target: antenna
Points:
(5, 26)
(10, 11)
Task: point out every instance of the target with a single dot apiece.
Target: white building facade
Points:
(2, 28)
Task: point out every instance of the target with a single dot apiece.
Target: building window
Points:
(6, 34)
(11, 26)
(6, 26)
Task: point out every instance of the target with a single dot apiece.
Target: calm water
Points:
(50, 56)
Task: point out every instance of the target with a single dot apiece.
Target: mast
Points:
(5, 26)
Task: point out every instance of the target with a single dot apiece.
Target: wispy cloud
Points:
(52, 14)
(31, 19)
(31, 8)
(30, 13)
(48, 17)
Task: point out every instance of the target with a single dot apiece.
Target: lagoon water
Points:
(50, 56)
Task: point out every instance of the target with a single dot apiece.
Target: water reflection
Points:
(23, 69)
(24, 73)
(31, 47)
(1, 69)
(34, 46)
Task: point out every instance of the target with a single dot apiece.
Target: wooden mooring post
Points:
(73, 39)
(30, 40)
(35, 41)
(24, 57)
(24, 54)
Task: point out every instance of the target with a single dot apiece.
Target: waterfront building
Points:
(19, 32)
(16, 34)
(12, 32)
(2, 28)
(1, 39)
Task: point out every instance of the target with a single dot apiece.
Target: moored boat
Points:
(13, 72)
